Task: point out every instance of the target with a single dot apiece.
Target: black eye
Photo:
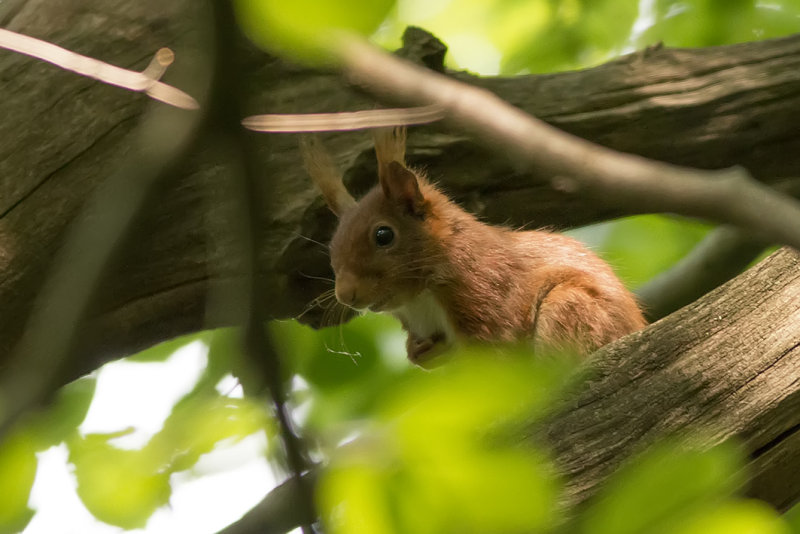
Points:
(384, 236)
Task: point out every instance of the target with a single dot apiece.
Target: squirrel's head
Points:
(381, 252)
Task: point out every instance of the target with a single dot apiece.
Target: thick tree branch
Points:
(725, 366)
(47, 348)
(729, 196)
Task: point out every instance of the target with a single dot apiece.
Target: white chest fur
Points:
(426, 318)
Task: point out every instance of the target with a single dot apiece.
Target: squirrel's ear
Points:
(400, 185)
(320, 166)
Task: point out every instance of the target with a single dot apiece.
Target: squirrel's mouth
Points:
(383, 305)
(377, 307)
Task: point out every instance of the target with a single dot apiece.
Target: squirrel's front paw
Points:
(421, 351)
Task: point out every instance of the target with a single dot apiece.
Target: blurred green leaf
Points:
(17, 472)
(303, 28)
(347, 367)
(331, 358)
(793, 519)
(439, 456)
(735, 517)
(695, 23)
(655, 492)
(68, 410)
(550, 35)
(199, 422)
(640, 247)
(119, 487)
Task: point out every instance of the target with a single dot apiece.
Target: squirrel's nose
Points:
(346, 289)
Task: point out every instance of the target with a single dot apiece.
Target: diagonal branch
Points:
(728, 196)
(720, 256)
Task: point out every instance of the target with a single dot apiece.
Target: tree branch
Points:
(278, 512)
(48, 347)
(730, 196)
(724, 367)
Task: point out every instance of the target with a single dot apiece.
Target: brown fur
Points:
(448, 275)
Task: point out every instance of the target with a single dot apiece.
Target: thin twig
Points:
(244, 184)
(728, 196)
(146, 81)
(345, 121)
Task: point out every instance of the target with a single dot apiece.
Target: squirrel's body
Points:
(406, 249)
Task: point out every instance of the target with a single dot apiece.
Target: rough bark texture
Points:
(727, 365)
(710, 108)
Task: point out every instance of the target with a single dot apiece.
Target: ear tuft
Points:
(320, 166)
(402, 186)
(390, 145)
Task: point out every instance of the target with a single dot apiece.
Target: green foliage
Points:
(793, 518)
(347, 368)
(38, 432)
(718, 22)
(124, 487)
(69, 409)
(439, 456)
(17, 471)
(120, 487)
(672, 489)
(567, 34)
(660, 491)
(443, 452)
(303, 28)
(641, 247)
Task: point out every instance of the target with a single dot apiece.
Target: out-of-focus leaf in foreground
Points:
(120, 487)
(443, 452)
(17, 471)
(302, 29)
(671, 489)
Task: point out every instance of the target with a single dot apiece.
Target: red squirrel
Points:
(405, 248)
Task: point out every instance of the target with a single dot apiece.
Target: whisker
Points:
(312, 277)
(301, 236)
(318, 301)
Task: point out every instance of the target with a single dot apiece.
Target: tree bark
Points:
(726, 366)
(708, 108)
